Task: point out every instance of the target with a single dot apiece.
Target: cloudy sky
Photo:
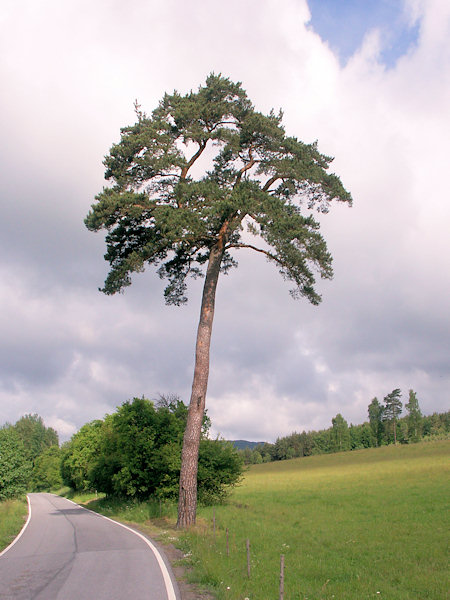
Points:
(369, 80)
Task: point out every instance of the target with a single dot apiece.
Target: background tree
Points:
(414, 418)
(340, 435)
(156, 213)
(360, 436)
(36, 437)
(46, 473)
(15, 468)
(79, 453)
(392, 410)
(321, 441)
(376, 412)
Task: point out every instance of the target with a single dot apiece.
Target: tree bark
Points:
(187, 501)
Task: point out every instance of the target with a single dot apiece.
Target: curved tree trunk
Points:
(187, 502)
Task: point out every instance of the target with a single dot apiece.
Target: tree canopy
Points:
(257, 181)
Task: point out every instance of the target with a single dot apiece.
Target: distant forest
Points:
(385, 426)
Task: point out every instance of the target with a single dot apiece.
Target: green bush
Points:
(136, 453)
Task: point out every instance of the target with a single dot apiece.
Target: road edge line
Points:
(19, 535)
(171, 594)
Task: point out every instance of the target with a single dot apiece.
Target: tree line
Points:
(385, 425)
(133, 453)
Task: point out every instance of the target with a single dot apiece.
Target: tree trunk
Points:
(187, 502)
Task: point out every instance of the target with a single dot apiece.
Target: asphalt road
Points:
(69, 553)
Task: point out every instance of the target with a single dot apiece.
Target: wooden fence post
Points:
(248, 558)
(228, 544)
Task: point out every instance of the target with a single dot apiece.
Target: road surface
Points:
(69, 553)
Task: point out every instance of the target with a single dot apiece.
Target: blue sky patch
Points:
(344, 23)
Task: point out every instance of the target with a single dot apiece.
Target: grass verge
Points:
(13, 514)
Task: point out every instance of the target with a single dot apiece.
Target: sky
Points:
(369, 81)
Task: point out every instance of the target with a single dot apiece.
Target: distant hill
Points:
(242, 444)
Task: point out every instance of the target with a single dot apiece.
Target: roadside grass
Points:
(355, 525)
(13, 514)
(164, 513)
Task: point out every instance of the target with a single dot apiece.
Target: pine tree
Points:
(260, 181)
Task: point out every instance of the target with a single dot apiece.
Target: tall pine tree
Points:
(260, 186)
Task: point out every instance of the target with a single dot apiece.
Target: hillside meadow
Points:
(355, 525)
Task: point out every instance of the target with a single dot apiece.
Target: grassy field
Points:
(13, 514)
(351, 526)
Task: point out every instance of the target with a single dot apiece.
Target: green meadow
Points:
(356, 525)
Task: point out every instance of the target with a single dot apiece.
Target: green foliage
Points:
(436, 426)
(376, 412)
(340, 435)
(79, 454)
(144, 449)
(36, 437)
(258, 180)
(46, 473)
(36, 461)
(360, 436)
(15, 468)
(136, 453)
(219, 469)
(415, 418)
